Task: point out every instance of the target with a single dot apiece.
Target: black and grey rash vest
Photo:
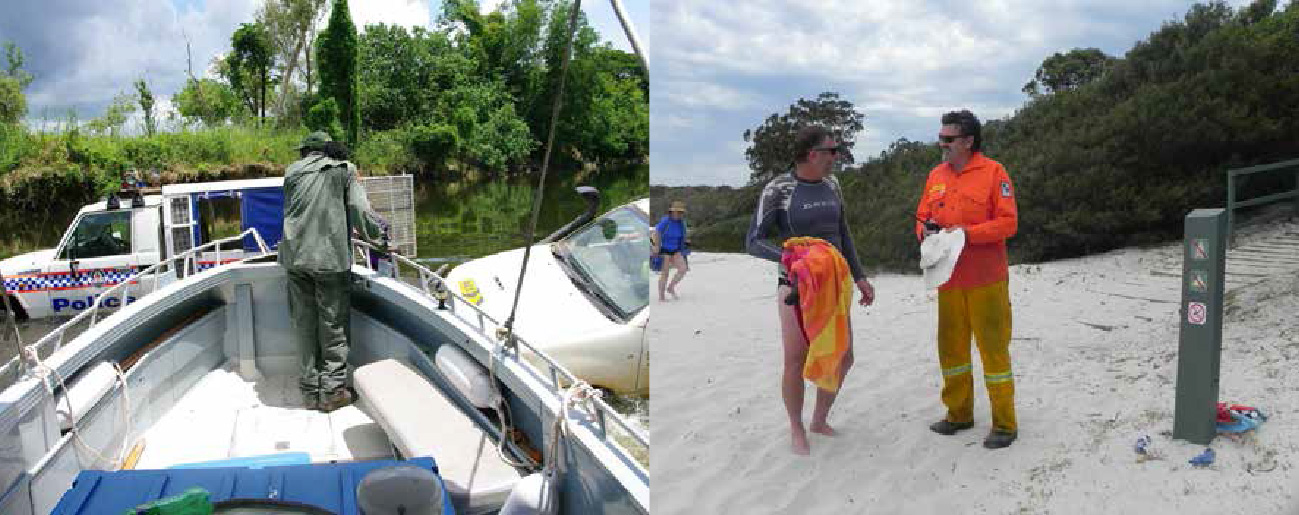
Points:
(791, 207)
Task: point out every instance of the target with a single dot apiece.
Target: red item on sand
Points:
(1224, 411)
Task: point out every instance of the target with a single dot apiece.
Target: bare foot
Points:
(673, 293)
(823, 428)
(799, 442)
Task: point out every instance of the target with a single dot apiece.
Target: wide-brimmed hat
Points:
(938, 255)
(677, 205)
(314, 141)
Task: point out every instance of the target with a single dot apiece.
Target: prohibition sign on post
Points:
(1196, 313)
(1199, 281)
(1201, 247)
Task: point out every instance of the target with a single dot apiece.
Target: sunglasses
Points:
(948, 139)
(832, 150)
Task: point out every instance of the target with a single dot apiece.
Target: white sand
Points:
(1095, 360)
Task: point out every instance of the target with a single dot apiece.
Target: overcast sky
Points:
(722, 67)
(84, 52)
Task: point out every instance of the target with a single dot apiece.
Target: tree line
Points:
(1106, 152)
(474, 91)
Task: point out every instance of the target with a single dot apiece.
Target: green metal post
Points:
(1231, 207)
(1200, 340)
(1296, 189)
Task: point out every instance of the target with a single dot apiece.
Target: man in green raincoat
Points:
(323, 205)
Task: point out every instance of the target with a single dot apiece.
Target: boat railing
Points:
(434, 285)
(186, 262)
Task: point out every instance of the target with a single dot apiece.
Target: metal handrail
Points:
(555, 370)
(1233, 204)
(187, 259)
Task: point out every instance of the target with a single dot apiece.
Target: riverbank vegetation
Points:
(466, 99)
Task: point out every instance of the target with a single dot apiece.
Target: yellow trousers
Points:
(984, 312)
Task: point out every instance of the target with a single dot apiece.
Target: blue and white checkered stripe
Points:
(83, 278)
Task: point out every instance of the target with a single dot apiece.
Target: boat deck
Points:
(224, 416)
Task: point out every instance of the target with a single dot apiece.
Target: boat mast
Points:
(550, 143)
(631, 35)
(538, 194)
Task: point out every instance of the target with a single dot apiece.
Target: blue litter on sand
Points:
(1142, 444)
(1204, 459)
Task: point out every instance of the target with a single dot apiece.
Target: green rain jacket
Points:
(322, 203)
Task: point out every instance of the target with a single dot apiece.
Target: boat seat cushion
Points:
(421, 421)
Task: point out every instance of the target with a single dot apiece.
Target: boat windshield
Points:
(613, 253)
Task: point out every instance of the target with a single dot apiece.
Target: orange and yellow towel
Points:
(824, 285)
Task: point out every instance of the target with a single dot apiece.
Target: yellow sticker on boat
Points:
(470, 292)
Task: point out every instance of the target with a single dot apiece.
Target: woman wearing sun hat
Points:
(670, 240)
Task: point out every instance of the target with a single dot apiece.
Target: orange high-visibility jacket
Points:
(981, 198)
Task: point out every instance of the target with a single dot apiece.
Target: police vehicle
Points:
(112, 240)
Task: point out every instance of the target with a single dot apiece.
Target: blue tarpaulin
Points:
(263, 209)
(328, 486)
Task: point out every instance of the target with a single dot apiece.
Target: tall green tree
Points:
(145, 98)
(211, 101)
(249, 65)
(13, 79)
(771, 145)
(337, 53)
(505, 42)
(576, 86)
(290, 29)
(402, 74)
(13, 104)
(1063, 72)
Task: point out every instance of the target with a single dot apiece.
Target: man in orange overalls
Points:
(971, 192)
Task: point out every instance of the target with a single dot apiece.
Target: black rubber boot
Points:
(944, 427)
(998, 439)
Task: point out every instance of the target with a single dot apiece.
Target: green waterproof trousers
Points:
(319, 306)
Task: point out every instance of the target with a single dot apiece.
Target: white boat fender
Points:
(467, 376)
(84, 393)
(532, 495)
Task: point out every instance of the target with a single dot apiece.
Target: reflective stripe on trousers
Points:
(983, 312)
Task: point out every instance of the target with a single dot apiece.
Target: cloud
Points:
(698, 174)
(722, 67)
(407, 13)
(83, 53)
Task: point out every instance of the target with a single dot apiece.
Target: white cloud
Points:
(83, 54)
(696, 94)
(407, 13)
(901, 62)
(697, 174)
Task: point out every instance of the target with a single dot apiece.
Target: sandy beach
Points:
(1095, 361)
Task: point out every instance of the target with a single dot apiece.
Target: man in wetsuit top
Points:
(805, 202)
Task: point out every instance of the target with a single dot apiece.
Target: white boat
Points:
(207, 370)
(585, 299)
